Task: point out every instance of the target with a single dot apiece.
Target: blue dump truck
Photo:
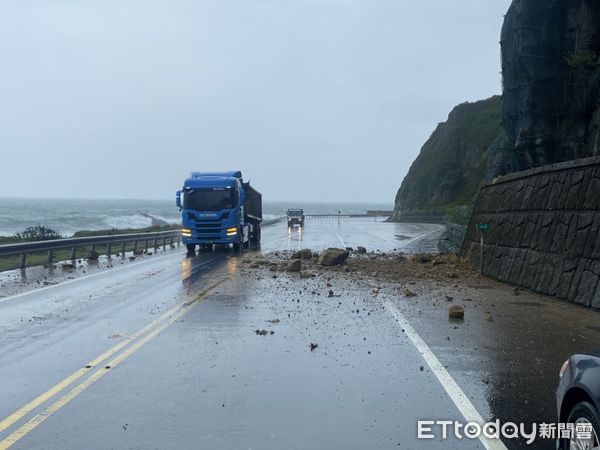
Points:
(219, 208)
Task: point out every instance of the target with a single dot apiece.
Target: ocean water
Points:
(70, 215)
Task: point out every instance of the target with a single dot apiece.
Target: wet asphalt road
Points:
(173, 360)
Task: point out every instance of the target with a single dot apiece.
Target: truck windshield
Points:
(295, 212)
(213, 199)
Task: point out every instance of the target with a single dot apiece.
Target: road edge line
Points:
(456, 394)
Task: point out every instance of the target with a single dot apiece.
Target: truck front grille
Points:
(208, 229)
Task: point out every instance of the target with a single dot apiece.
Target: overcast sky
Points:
(311, 99)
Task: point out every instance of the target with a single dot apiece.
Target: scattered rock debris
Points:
(264, 332)
(313, 346)
(456, 312)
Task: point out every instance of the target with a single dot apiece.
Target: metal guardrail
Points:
(156, 239)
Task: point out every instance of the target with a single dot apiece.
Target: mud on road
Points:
(505, 353)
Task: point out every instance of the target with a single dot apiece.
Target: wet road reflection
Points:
(195, 267)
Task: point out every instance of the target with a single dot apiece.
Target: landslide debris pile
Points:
(445, 177)
(393, 267)
(551, 82)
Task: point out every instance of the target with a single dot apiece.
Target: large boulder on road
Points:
(333, 257)
(294, 266)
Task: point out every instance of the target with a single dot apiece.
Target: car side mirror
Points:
(178, 199)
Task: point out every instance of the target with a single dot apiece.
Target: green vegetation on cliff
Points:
(445, 177)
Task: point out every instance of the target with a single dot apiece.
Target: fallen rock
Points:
(456, 312)
(307, 275)
(261, 332)
(305, 253)
(333, 257)
(422, 258)
(67, 266)
(313, 345)
(361, 250)
(294, 266)
(409, 293)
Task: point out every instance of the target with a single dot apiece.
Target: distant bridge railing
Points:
(351, 215)
(155, 239)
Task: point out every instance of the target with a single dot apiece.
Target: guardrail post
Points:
(146, 246)
(22, 260)
(164, 244)
(134, 246)
(108, 250)
(155, 244)
(123, 249)
(50, 256)
(178, 241)
(73, 254)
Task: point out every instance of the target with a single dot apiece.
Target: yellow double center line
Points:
(137, 340)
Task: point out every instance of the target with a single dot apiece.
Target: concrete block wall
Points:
(544, 230)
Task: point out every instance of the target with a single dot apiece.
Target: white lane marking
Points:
(460, 399)
(410, 241)
(396, 243)
(85, 277)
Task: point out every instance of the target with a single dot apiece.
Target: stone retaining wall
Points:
(544, 230)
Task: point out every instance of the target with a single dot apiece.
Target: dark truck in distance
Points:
(219, 208)
(295, 217)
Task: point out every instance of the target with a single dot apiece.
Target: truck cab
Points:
(219, 208)
(295, 218)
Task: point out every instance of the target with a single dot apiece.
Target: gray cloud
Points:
(312, 99)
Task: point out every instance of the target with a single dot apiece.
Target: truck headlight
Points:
(231, 231)
(186, 232)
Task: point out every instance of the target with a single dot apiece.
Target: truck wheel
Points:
(191, 248)
(255, 236)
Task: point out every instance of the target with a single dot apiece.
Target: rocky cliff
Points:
(444, 179)
(551, 82)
